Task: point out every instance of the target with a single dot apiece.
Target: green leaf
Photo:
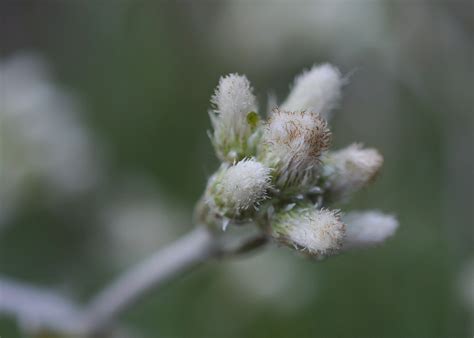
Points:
(253, 119)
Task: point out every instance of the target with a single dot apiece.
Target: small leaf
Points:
(253, 119)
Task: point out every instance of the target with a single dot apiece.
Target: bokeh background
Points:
(110, 153)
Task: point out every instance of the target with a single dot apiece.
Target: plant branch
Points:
(40, 310)
(187, 252)
(37, 308)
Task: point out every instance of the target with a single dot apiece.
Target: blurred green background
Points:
(144, 71)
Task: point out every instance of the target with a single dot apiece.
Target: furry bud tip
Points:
(236, 191)
(350, 169)
(233, 117)
(318, 233)
(293, 143)
(318, 90)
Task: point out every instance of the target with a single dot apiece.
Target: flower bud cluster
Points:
(280, 175)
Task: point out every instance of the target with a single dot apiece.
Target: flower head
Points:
(317, 90)
(234, 118)
(350, 169)
(285, 161)
(366, 229)
(292, 144)
(236, 191)
(316, 232)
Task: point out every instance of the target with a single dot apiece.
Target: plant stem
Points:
(39, 310)
(186, 253)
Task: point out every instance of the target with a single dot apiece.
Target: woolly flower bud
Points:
(234, 118)
(350, 169)
(366, 229)
(318, 90)
(317, 232)
(292, 144)
(236, 191)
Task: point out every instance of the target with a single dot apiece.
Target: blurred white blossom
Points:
(466, 283)
(465, 288)
(367, 229)
(139, 219)
(264, 39)
(43, 140)
(272, 277)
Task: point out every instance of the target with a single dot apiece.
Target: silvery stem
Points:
(187, 252)
(42, 310)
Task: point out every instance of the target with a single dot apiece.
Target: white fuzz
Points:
(367, 229)
(233, 100)
(240, 188)
(293, 142)
(317, 90)
(351, 169)
(316, 232)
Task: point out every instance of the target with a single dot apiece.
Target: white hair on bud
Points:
(232, 101)
(316, 232)
(294, 141)
(240, 187)
(245, 183)
(233, 98)
(367, 229)
(317, 90)
(351, 169)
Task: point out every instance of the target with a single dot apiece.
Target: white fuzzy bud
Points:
(236, 191)
(350, 169)
(316, 232)
(292, 144)
(317, 90)
(234, 118)
(367, 229)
